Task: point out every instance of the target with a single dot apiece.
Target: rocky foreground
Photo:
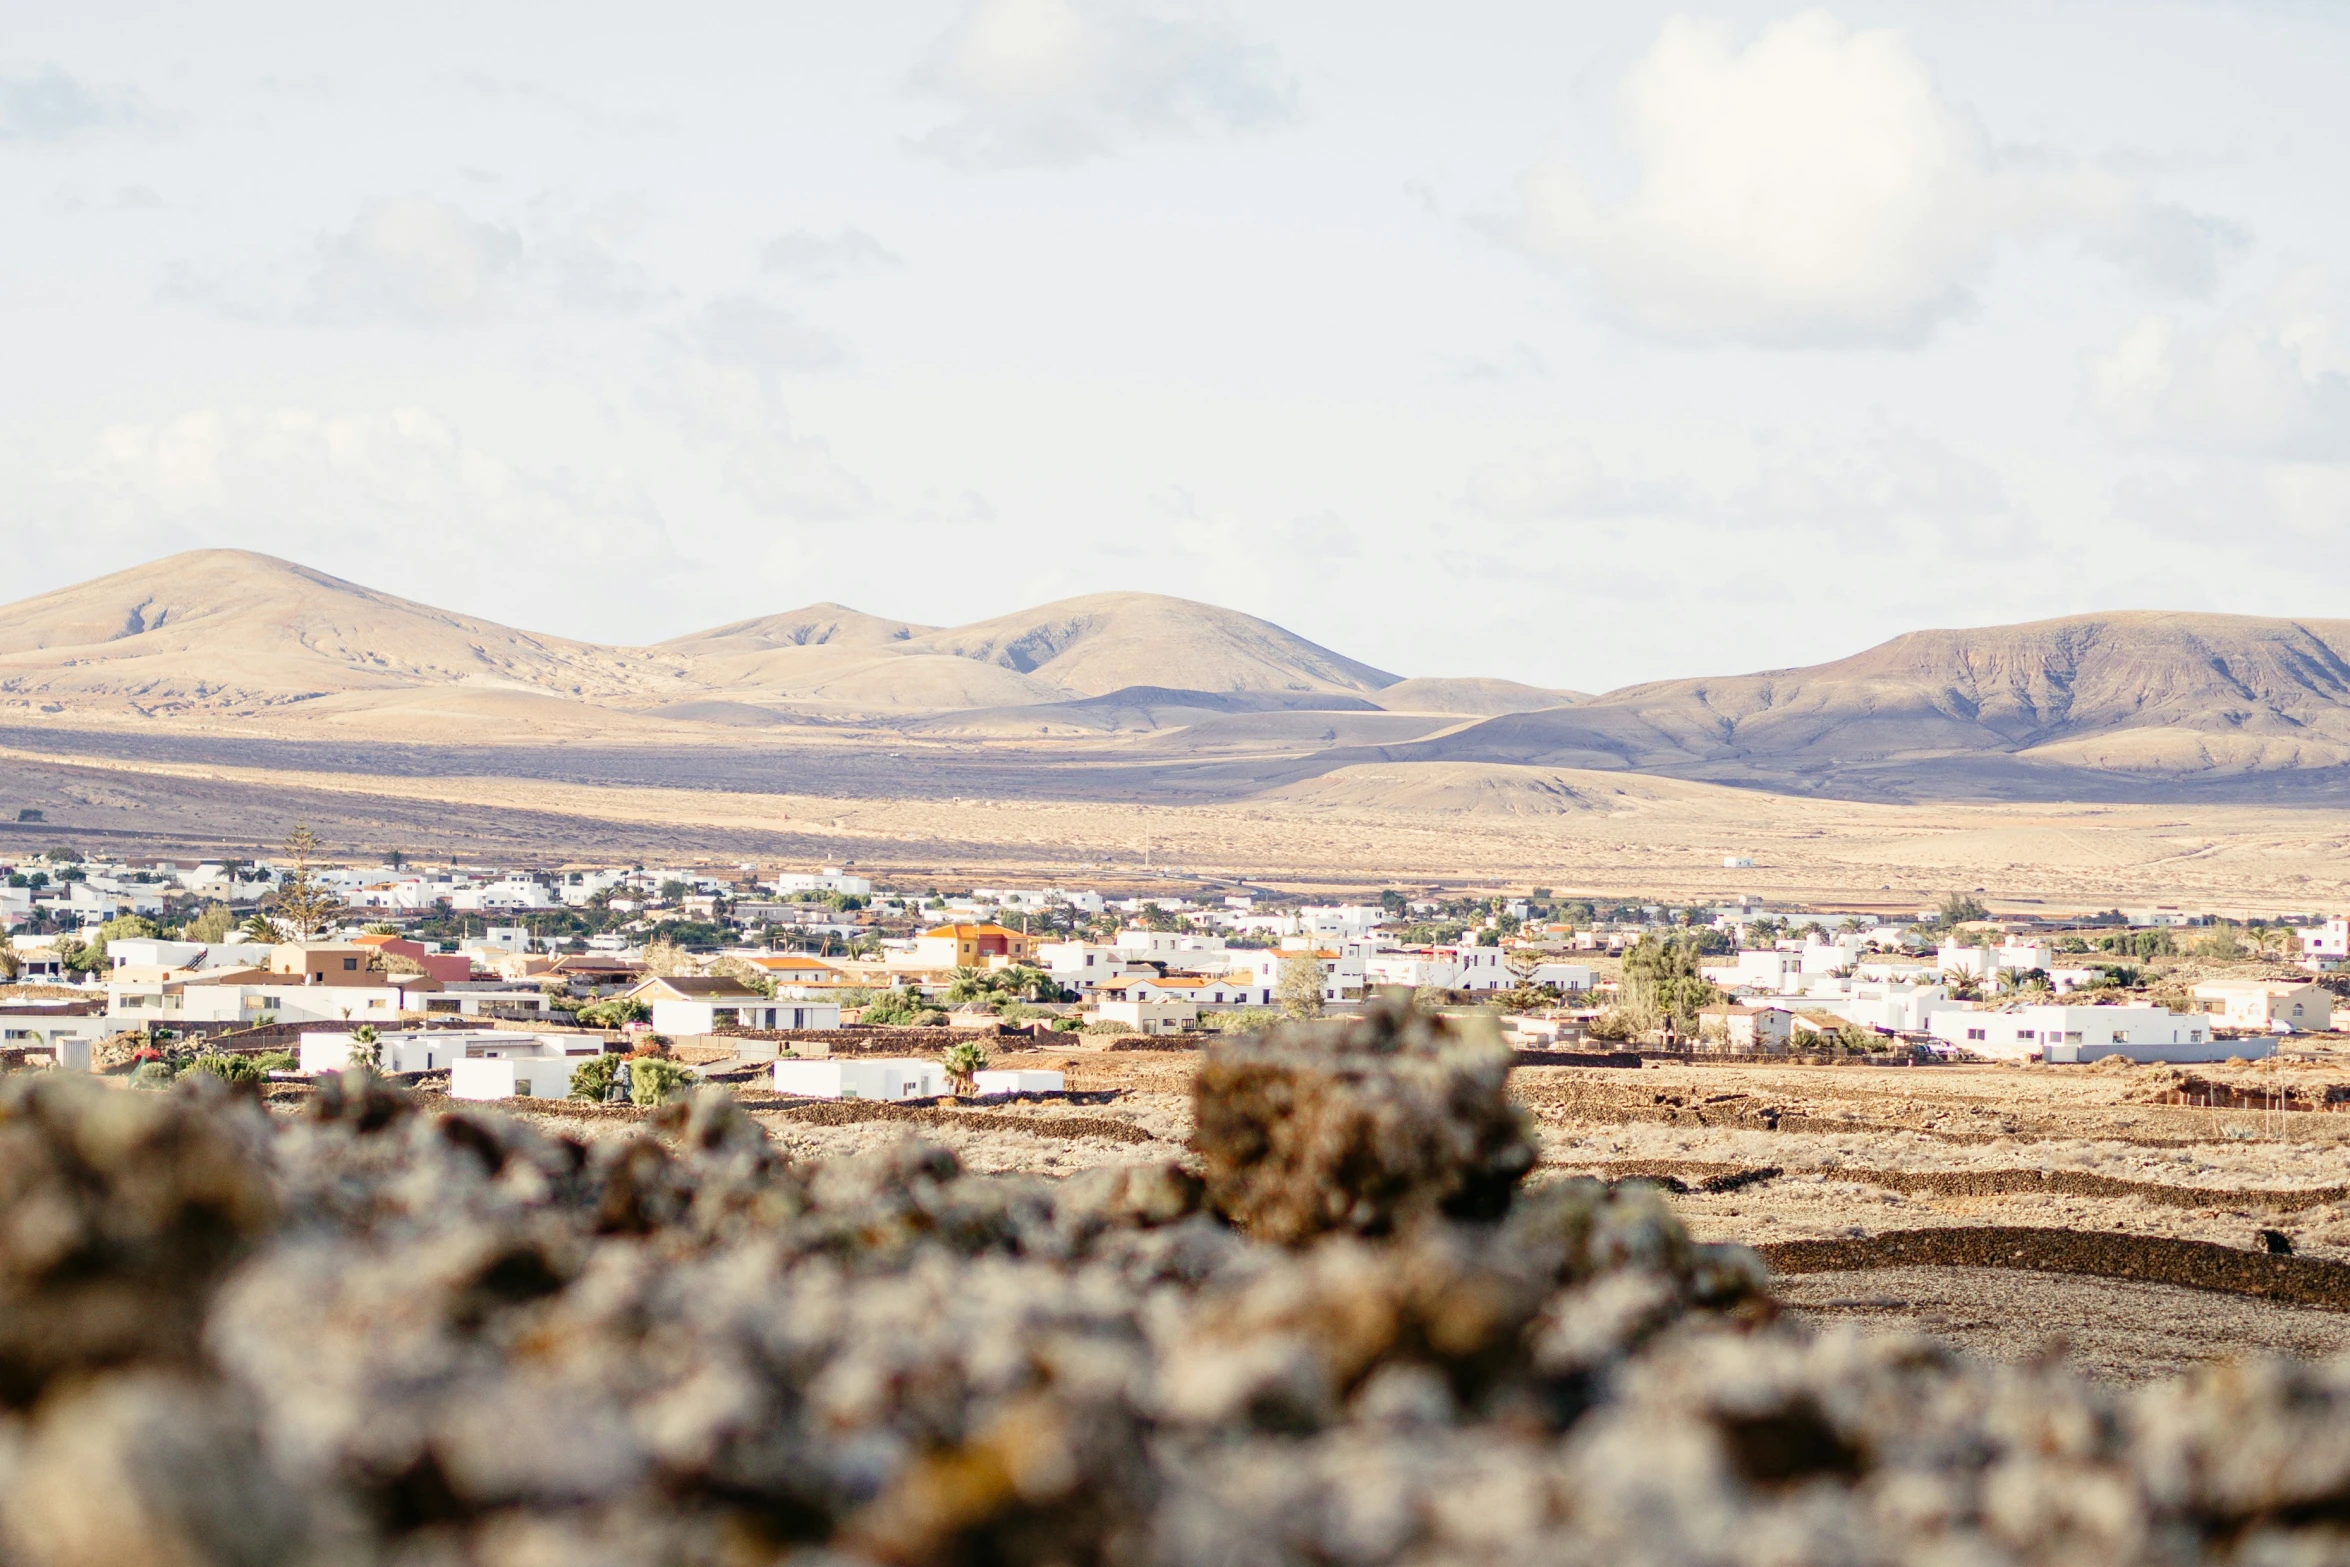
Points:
(1342, 1334)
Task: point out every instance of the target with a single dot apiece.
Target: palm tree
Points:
(964, 1060)
(366, 1050)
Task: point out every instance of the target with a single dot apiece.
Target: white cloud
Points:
(2271, 379)
(1060, 81)
(349, 492)
(1565, 483)
(1894, 486)
(808, 257)
(417, 259)
(740, 330)
(429, 262)
(1814, 188)
(46, 105)
(735, 412)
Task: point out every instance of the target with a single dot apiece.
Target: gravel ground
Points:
(2112, 1329)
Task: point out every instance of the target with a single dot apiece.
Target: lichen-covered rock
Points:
(1363, 1126)
(408, 1338)
(118, 1214)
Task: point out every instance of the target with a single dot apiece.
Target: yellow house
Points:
(970, 946)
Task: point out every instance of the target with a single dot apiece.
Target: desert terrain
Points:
(1871, 1158)
(207, 701)
(1590, 833)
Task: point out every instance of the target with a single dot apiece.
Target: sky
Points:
(1574, 344)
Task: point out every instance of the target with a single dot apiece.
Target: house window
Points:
(350, 965)
(1974, 1033)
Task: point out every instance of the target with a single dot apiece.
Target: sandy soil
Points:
(1621, 835)
(1908, 1160)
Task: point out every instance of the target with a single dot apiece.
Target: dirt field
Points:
(1788, 1158)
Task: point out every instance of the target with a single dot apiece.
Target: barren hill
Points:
(1108, 641)
(2080, 705)
(219, 631)
(1490, 698)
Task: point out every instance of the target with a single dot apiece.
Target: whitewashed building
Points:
(2064, 1034)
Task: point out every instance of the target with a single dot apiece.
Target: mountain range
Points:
(2141, 705)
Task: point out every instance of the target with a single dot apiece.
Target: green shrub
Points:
(231, 1069)
(898, 1009)
(1102, 1026)
(592, 1079)
(277, 1061)
(651, 1080)
(153, 1074)
(613, 1013)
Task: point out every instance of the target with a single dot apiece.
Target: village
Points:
(147, 964)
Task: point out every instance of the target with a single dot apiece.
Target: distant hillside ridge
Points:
(2140, 693)
(225, 632)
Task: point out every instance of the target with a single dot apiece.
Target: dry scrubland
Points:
(1592, 832)
(1858, 1152)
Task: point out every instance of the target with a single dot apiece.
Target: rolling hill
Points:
(1146, 696)
(2082, 705)
(215, 634)
(228, 631)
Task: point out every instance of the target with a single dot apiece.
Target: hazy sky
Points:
(1575, 343)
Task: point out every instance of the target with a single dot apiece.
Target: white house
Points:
(56, 1024)
(887, 1079)
(1904, 1009)
(1561, 976)
(2065, 1034)
(684, 1005)
(1168, 945)
(1772, 972)
(1445, 968)
(2267, 1003)
(251, 999)
(1157, 1016)
(830, 879)
(1084, 966)
(1986, 963)
(2326, 947)
(441, 1050)
(1008, 1081)
(1834, 955)
(149, 952)
(1205, 991)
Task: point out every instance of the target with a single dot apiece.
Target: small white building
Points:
(1746, 1029)
(2327, 947)
(1157, 1016)
(685, 1005)
(512, 1077)
(1768, 971)
(1561, 976)
(2267, 1003)
(889, 1080)
(1987, 963)
(1008, 1081)
(401, 1051)
(1442, 968)
(830, 879)
(2063, 1034)
(53, 1024)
